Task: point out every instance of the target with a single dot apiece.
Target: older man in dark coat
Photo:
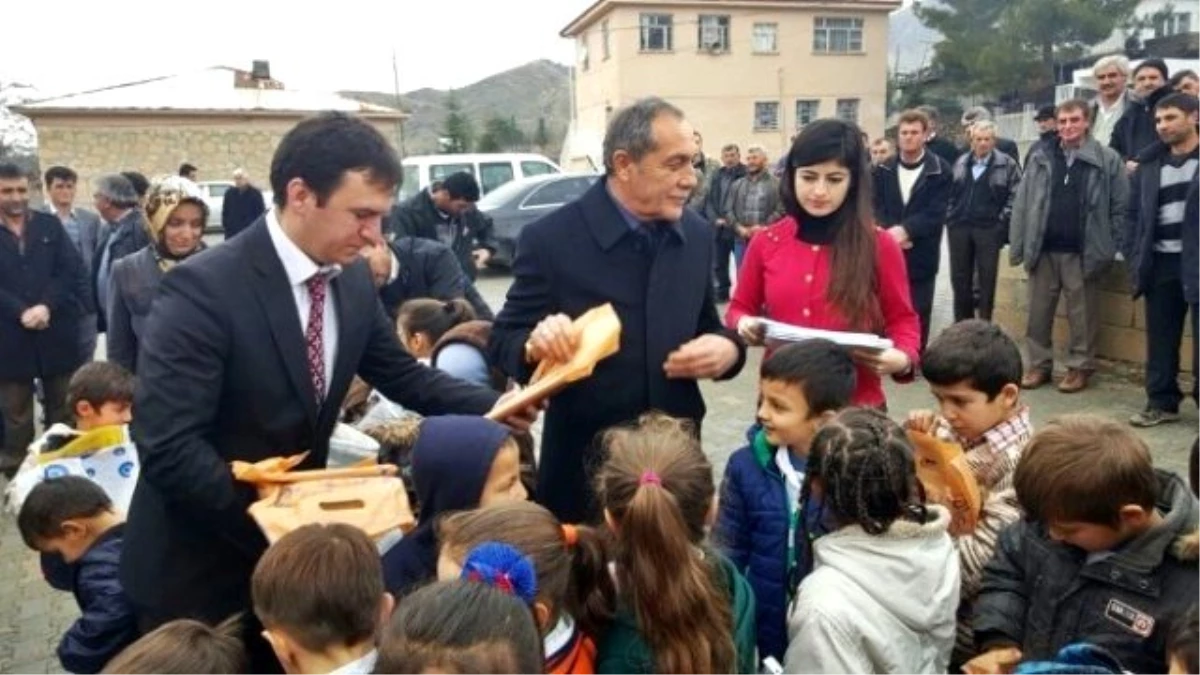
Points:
(241, 206)
(627, 241)
(39, 314)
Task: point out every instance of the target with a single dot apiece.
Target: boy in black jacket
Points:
(72, 517)
(1099, 558)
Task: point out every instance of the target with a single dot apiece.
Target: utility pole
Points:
(396, 87)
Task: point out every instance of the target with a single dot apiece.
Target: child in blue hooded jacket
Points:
(760, 520)
(459, 462)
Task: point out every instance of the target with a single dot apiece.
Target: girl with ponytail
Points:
(422, 322)
(681, 608)
(575, 593)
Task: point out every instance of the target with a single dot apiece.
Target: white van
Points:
(491, 170)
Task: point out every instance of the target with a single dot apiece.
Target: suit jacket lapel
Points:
(279, 305)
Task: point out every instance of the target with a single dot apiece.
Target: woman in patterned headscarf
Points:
(175, 217)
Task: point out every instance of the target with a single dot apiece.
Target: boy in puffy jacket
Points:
(1102, 556)
(800, 387)
(73, 518)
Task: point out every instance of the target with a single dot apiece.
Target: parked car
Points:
(491, 169)
(214, 196)
(514, 205)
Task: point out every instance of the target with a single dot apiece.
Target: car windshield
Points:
(502, 195)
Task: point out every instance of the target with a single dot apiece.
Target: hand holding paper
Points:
(596, 335)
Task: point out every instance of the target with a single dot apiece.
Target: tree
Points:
(501, 134)
(1052, 31)
(541, 137)
(994, 47)
(457, 133)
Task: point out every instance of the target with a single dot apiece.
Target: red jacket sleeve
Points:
(748, 295)
(900, 321)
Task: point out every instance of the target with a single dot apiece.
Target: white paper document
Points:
(783, 332)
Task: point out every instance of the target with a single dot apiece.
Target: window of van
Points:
(438, 172)
(535, 168)
(494, 174)
(411, 184)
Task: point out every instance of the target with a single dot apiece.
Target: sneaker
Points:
(1152, 417)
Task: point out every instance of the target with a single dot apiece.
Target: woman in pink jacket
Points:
(826, 265)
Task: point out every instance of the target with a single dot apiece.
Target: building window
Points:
(847, 109)
(1173, 23)
(837, 34)
(713, 34)
(766, 38)
(766, 116)
(604, 39)
(583, 53)
(656, 32)
(806, 111)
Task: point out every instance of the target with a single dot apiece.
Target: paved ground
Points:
(32, 616)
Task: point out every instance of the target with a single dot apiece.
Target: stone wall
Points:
(1122, 320)
(157, 144)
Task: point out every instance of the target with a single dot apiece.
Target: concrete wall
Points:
(94, 145)
(1122, 321)
(718, 91)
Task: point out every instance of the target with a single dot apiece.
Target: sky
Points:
(333, 45)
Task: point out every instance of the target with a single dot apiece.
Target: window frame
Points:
(763, 127)
(723, 26)
(647, 24)
(816, 111)
(825, 34)
(754, 37)
(856, 102)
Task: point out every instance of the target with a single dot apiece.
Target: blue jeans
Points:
(739, 252)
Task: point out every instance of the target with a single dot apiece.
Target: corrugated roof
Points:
(209, 90)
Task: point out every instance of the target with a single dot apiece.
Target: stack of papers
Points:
(784, 332)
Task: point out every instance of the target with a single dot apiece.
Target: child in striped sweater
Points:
(974, 371)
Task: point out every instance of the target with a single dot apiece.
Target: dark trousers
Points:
(921, 292)
(974, 255)
(722, 252)
(1166, 311)
(16, 402)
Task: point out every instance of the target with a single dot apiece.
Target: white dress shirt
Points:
(299, 269)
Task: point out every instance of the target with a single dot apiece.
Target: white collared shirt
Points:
(1106, 118)
(359, 666)
(299, 269)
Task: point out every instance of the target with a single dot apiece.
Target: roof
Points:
(209, 91)
(600, 8)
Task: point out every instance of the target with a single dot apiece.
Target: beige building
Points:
(744, 71)
(217, 119)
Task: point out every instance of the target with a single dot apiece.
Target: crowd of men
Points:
(1106, 180)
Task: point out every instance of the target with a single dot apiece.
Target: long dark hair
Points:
(853, 287)
(657, 486)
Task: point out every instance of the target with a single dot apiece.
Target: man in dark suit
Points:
(241, 206)
(446, 212)
(84, 229)
(248, 352)
(39, 314)
(911, 198)
(628, 241)
(411, 267)
(124, 233)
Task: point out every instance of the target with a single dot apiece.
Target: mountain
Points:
(910, 42)
(538, 89)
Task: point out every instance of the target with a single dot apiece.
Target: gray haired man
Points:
(117, 203)
(628, 241)
(982, 114)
